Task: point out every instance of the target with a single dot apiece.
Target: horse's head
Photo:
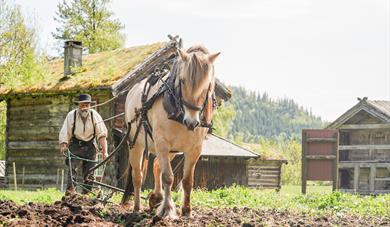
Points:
(196, 82)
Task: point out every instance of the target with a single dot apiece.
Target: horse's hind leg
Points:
(188, 179)
(167, 207)
(136, 163)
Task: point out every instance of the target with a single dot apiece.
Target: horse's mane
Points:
(198, 65)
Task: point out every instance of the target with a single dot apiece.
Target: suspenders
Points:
(74, 125)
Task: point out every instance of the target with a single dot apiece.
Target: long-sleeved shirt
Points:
(83, 131)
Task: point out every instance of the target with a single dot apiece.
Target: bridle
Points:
(189, 105)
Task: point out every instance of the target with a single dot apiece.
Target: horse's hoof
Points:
(186, 211)
(155, 200)
(167, 211)
(136, 209)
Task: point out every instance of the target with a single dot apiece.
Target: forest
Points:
(253, 116)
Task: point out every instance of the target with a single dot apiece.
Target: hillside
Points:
(258, 115)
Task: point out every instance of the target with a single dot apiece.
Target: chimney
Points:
(73, 51)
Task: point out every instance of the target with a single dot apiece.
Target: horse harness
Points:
(173, 103)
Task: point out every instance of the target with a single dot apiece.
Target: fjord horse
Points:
(195, 82)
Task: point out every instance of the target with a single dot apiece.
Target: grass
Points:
(318, 200)
(47, 196)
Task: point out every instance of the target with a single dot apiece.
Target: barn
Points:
(364, 147)
(35, 114)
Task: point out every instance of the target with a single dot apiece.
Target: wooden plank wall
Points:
(217, 172)
(32, 137)
(264, 173)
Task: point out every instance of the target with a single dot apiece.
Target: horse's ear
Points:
(212, 57)
(183, 54)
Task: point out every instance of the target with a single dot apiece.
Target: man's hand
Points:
(103, 143)
(63, 147)
(104, 154)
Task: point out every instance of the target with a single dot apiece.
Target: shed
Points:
(35, 113)
(223, 163)
(364, 147)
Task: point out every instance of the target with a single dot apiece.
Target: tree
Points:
(222, 120)
(20, 62)
(91, 22)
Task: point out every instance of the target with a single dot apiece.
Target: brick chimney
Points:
(73, 52)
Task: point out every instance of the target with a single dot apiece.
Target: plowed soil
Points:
(77, 210)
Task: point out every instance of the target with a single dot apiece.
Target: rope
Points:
(104, 103)
(80, 158)
(110, 118)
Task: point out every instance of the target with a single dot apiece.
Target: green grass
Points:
(42, 196)
(318, 200)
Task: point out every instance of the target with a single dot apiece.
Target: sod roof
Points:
(100, 70)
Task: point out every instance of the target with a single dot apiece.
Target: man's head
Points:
(84, 103)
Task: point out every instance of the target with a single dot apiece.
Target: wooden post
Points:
(356, 173)
(372, 177)
(57, 177)
(62, 180)
(335, 163)
(304, 168)
(15, 183)
(23, 176)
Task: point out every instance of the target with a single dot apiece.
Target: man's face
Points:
(84, 109)
(84, 106)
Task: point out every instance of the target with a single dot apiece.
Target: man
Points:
(81, 128)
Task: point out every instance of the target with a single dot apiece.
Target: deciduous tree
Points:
(91, 22)
(20, 62)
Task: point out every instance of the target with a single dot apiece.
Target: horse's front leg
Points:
(188, 179)
(167, 207)
(156, 196)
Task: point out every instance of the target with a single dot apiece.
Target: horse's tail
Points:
(129, 189)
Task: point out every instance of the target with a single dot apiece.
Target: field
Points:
(234, 206)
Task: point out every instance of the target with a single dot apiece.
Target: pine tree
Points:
(91, 22)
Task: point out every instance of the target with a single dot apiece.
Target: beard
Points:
(84, 113)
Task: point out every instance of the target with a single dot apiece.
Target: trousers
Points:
(80, 168)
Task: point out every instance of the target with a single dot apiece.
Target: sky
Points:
(322, 54)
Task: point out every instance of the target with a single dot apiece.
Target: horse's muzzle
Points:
(191, 125)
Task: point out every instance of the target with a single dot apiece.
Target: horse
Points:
(194, 80)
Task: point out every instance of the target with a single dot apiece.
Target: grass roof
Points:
(98, 70)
